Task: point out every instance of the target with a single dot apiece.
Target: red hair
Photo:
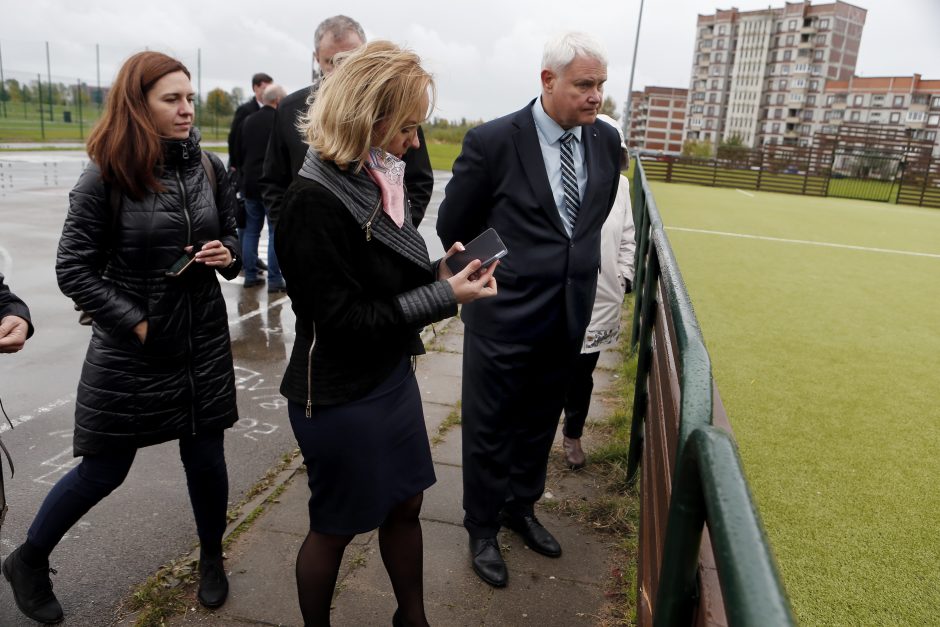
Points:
(125, 143)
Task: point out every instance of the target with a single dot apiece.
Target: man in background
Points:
(259, 82)
(286, 148)
(252, 146)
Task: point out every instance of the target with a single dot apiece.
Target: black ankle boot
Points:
(213, 584)
(32, 589)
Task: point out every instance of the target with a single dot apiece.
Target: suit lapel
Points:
(530, 154)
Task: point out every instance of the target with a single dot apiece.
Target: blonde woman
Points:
(359, 278)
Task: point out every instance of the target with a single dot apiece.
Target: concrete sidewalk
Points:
(541, 591)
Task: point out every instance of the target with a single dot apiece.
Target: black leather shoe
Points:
(537, 537)
(262, 265)
(488, 562)
(32, 590)
(213, 584)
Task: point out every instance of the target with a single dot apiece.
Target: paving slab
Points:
(448, 451)
(444, 500)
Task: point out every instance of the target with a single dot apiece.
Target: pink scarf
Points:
(388, 172)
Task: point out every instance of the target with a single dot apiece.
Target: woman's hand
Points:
(472, 283)
(443, 270)
(140, 330)
(213, 254)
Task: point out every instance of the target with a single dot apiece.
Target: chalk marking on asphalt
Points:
(259, 310)
(809, 242)
(748, 194)
(36, 413)
(58, 466)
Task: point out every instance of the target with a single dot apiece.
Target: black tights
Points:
(402, 549)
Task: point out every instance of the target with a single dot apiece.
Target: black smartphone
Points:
(180, 265)
(487, 247)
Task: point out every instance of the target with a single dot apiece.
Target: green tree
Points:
(219, 102)
(699, 149)
(13, 90)
(238, 95)
(609, 107)
(733, 149)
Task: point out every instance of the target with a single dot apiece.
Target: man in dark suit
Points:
(544, 178)
(286, 148)
(258, 84)
(252, 146)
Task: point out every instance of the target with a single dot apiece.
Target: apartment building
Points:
(657, 119)
(760, 75)
(902, 102)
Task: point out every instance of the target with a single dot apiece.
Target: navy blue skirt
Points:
(365, 457)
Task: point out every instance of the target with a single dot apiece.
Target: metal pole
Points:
(636, 45)
(81, 124)
(49, 82)
(98, 70)
(198, 86)
(42, 114)
(3, 86)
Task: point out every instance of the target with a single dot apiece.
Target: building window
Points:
(716, 71)
(717, 57)
(814, 85)
(811, 100)
(916, 116)
(783, 83)
(775, 128)
(856, 116)
(817, 55)
(721, 44)
(933, 120)
(785, 69)
(799, 83)
(857, 100)
(791, 25)
(829, 100)
(714, 83)
(824, 23)
(874, 116)
(899, 101)
(710, 110)
(789, 40)
(820, 40)
(935, 102)
(787, 55)
(796, 97)
(713, 97)
(895, 117)
(780, 99)
(878, 100)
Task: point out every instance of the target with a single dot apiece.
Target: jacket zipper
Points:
(368, 225)
(309, 411)
(189, 310)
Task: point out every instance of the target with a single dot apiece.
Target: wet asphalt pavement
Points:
(147, 521)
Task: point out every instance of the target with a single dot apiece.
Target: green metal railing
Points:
(708, 486)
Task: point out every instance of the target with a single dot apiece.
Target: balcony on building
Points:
(809, 27)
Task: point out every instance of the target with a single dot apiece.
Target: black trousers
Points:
(97, 476)
(512, 398)
(578, 398)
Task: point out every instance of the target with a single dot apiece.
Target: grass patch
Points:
(824, 359)
(452, 420)
(443, 155)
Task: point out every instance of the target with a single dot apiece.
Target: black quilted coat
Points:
(180, 381)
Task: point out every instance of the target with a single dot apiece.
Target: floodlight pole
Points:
(636, 45)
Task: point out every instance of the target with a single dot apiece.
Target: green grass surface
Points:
(826, 360)
(443, 155)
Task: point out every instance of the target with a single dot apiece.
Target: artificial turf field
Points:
(828, 363)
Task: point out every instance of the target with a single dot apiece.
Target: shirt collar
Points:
(548, 127)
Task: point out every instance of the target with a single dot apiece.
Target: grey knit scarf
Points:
(360, 195)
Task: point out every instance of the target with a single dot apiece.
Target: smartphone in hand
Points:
(180, 265)
(487, 247)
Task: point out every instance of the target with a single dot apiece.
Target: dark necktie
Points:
(569, 180)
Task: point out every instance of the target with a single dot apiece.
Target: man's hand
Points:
(13, 331)
(140, 330)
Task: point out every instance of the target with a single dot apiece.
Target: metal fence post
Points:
(42, 114)
(644, 364)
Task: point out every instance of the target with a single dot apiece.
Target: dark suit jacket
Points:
(243, 111)
(286, 150)
(546, 283)
(252, 146)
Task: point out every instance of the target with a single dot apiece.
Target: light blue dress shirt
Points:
(550, 133)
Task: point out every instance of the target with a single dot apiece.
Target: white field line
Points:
(748, 194)
(808, 242)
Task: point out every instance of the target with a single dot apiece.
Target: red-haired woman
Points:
(159, 364)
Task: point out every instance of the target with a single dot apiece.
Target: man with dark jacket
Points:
(258, 84)
(15, 324)
(252, 145)
(544, 178)
(286, 148)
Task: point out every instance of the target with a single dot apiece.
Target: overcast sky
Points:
(485, 54)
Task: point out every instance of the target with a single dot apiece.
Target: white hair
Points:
(562, 49)
(272, 93)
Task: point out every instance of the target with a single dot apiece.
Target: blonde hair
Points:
(375, 83)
